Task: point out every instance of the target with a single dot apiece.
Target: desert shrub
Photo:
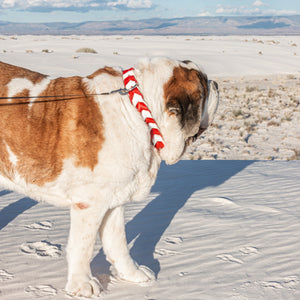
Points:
(86, 50)
(237, 113)
(273, 123)
(297, 154)
(271, 93)
(47, 51)
(291, 76)
(287, 118)
(250, 89)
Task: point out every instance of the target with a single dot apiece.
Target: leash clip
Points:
(125, 91)
(122, 91)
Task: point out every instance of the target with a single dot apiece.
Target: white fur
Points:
(211, 105)
(12, 157)
(38, 89)
(17, 85)
(174, 139)
(152, 74)
(127, 169)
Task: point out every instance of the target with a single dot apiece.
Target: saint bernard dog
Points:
(80, 142)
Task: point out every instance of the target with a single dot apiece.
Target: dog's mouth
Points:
(193, 139)
(210, 108)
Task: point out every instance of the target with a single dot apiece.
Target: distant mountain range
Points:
(272, 25)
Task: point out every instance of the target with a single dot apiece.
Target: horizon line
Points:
(158, 18)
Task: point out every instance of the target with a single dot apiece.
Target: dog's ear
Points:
(211, 105)
(173, 107)
(184, 108)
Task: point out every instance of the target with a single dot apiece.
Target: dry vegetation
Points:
(86, 50)
(258, 118)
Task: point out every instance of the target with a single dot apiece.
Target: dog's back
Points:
(38, 134)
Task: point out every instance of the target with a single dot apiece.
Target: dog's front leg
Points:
(112, 234)
(85, 222)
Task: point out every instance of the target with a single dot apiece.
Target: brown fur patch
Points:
(9, 71)
(44, 135)
(184, 93)
(106, 70)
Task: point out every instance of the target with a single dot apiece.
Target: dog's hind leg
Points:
(85, 222)
(112, 234)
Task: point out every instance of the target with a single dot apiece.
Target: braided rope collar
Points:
(137, 100)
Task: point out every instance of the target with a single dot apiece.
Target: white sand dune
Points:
(210, 229)
(219, 56)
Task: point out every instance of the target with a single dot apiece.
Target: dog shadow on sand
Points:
(175, 185)
(13, 210)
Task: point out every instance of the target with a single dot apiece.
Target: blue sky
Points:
(100, 10)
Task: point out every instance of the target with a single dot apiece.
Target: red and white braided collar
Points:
(137, 100)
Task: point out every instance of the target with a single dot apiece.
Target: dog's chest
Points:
(128, 177)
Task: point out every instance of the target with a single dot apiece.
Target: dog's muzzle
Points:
(210, 108)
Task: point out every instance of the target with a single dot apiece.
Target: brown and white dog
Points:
(93, 153)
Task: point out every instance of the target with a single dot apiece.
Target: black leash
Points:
(121, 91)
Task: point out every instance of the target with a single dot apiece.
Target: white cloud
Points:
(83, 5)
(274, 12)
(131, 3)
(7, 3)
(204, 14)
(258, 3)
(27, 4)
(258, 8)
(242, 10)
(226, 10)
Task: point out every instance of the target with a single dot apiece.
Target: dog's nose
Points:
(215, 84)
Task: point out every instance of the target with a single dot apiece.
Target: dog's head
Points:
(185, 102)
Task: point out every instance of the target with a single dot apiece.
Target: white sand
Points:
(209, 229)
(219, 56)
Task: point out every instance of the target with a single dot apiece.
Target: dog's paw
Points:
(144, 275)
(83, 287)
(141, 275)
